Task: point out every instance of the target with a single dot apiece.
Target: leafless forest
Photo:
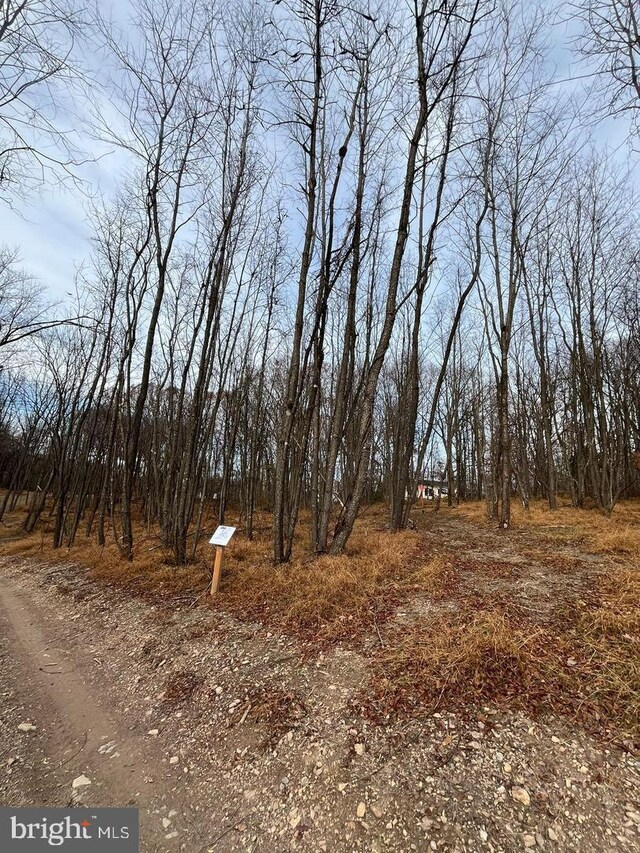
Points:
(352, 247)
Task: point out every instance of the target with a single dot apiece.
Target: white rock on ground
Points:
(521, 795)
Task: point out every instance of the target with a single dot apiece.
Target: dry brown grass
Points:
(476, 649)
(323, 599)
(149, 575)
(331, 598)
(465, 660)
(623, 539)
(461, 657)
(585, 662)
(609, 635)
(618, 533)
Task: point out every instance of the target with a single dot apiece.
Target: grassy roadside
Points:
(455, 647)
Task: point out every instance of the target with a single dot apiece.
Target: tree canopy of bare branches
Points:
(357, 252)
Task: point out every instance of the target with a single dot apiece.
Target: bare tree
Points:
(354, 248)
(442, 37)
(37, 75)
(520, 163)
(24, 309)
(611, 39)
(167, 112)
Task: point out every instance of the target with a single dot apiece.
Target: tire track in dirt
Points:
(46, 677)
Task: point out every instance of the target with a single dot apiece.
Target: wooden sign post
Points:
(220, 539)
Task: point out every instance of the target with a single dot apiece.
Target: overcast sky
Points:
(52, 232)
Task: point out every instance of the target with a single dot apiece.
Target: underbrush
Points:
(326, 599)
(609, 635)
(468, 646)
(618, 533)
(321, 599)
(149, 575)
(461, 657)
(588, 668)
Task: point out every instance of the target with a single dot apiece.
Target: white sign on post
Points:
(222, 536)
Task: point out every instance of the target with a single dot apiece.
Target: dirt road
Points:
(227, 740)
(63, 688)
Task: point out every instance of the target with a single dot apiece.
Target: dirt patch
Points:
(520, 633)
(273, 751)
(277, 710)
(392, 699)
